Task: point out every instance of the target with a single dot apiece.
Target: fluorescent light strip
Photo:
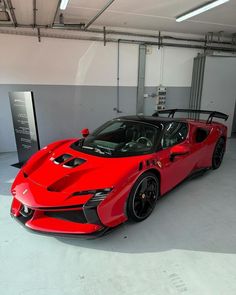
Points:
(63, 4)
(200, 9)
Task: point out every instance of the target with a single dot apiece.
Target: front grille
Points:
(71, 215)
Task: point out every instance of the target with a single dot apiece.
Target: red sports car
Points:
(89, 185)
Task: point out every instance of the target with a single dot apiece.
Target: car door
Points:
(174, 170)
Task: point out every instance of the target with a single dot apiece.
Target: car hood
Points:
(44, 177)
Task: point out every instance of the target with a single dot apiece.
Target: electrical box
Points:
(161, 98)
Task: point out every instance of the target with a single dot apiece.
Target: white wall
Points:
(23, 60)
(219, 86)
(65, 74)
(170, 66)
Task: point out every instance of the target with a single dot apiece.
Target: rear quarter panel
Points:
(204, 151)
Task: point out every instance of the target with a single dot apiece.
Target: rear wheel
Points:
(143, 197)
(218, 153)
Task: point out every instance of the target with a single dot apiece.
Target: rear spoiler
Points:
(212, 114)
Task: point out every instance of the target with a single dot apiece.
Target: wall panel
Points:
(74, 82)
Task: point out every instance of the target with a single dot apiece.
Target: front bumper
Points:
(74, 220)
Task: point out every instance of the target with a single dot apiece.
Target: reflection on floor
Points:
(187, 246)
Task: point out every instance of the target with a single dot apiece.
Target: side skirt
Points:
(192, 175)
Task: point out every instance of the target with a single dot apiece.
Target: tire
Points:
(143, 197)
(218, 153)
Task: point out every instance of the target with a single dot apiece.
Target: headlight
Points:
(97, 192)
(98, 195)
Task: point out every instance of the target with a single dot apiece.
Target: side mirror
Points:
(178, 150)
(85, 132)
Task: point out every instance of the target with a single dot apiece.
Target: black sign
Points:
(25, 125)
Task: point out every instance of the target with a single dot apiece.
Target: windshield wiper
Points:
(97, 150)
(87, 147)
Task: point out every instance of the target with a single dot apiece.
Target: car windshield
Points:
(120, 138)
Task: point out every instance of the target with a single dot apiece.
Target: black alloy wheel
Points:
(218, 153)
(143, 197)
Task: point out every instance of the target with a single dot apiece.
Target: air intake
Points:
(74, 163)
(62, 158)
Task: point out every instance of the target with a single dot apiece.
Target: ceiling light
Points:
(63, 4)
(200, 9)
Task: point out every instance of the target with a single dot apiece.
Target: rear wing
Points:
(212, 114)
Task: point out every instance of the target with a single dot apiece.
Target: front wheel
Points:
(143, 197)
(218, 154)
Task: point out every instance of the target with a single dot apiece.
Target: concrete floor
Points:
(187, 246)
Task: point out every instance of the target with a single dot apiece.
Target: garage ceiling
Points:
(137, 14)
(24, 11)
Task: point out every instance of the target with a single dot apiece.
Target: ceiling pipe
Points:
(117, 108)
(90, 22)
(56, 12)
(34, 13)
(127, 41)
(10, 26)
(78, 27)
(194, 40)
(122, 40)
(39, 34)
(71, 27)
(12, 12)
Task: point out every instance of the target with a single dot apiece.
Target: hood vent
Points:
(74, 163)
(62, 158)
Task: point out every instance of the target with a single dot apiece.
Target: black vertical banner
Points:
(25, 124)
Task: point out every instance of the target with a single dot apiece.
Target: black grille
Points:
(62, 158)
(71, 215)
(74, 163)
